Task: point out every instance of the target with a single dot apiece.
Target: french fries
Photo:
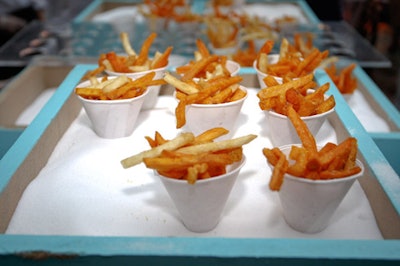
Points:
(306, 161)
(254, 28)
(220, 89)
(246, 57)
(284, 21)
(303, 42)
(173, 144)
(177, 10)
(190, 157)
(298, 93)
(343, 79)
(132, 61)
(121, 87)
(292, 62)
(204, 65)
(222, 3)
(222, 31)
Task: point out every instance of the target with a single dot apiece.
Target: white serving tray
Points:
(83, 189)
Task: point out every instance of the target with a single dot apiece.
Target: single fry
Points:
(116, 83)
(307, 139)
(215, 146)
(173, 144)
(280, 168)
(126, 44)
(180, 85)
(211, 135)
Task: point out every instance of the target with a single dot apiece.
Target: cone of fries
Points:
(201, 205)
(198, 172)
(312, 180)
(136, 64)
(307, 99)
(114, 103)
(308, 204)
(290, 63)
(223, 34)
(204, 104)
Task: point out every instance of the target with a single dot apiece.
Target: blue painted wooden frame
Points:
(8, 136)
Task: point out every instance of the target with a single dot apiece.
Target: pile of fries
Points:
(190, 157)
(133, 61)
(220, 89)
(254, 28)
(303, 42)
(121, 87)
(204, 65)
(285, 21)
(299, 94)
(177, 10)
(245, 57)
(292, 63)
(226, 3)
(222, 31)
(343, 79)
(329, 162)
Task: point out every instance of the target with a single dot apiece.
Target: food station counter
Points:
(63, 200)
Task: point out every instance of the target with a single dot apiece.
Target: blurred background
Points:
(379, 23)
(36, 28)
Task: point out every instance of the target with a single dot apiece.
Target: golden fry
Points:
(278, 173)
(179, 141)
(180, 85)
(126, 44)
(215, 146)
(210, 135)
(307, 139)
